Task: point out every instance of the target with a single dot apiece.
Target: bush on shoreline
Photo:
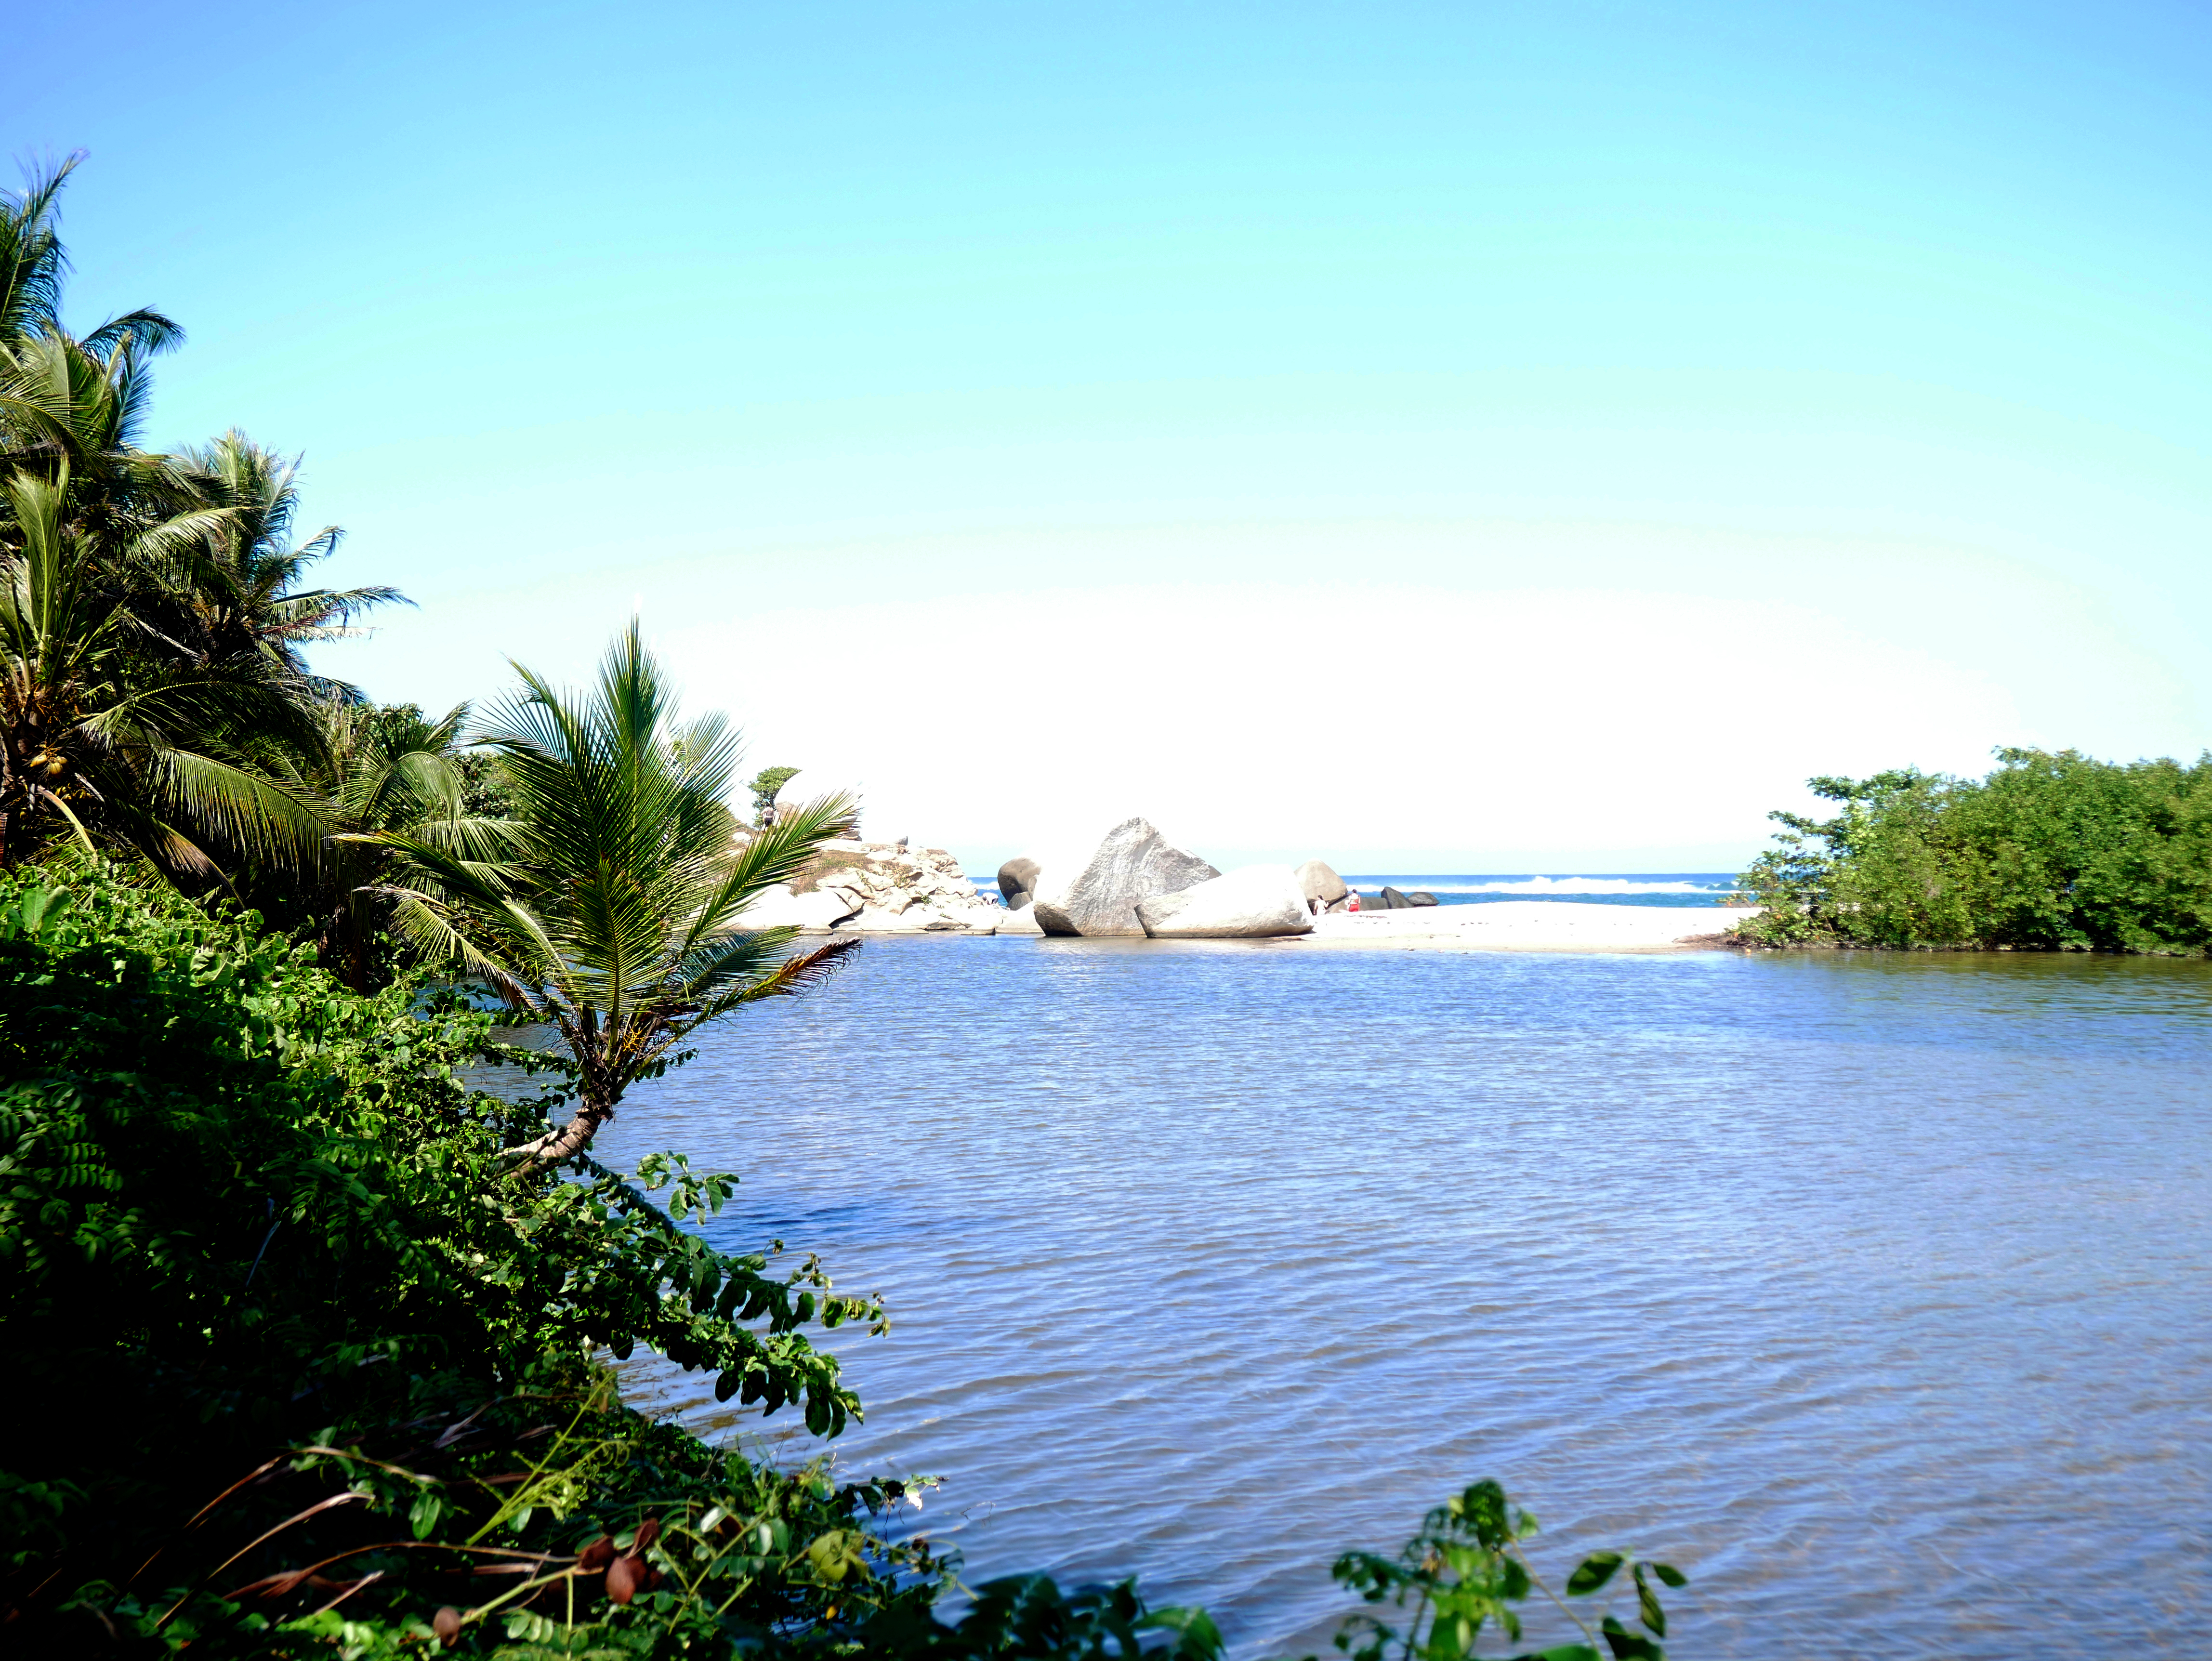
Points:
(248, 1211)
(2050, 852)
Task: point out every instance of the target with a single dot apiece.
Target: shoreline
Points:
(1531, 926)
(1503, 926)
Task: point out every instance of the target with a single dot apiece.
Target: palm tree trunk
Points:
(558, 1146)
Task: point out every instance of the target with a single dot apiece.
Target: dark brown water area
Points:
(1875, 1291)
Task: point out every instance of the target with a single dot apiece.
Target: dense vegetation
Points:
(307, 1338)
(154, 701)
(2054, 851)
(249, 1213)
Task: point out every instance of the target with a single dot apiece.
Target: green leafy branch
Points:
(1466, 1571)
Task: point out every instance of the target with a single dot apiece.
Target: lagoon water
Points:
(1875, 1291)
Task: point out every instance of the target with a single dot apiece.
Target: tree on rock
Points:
(764, 787)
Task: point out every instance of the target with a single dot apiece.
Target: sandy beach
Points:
(1530, 926)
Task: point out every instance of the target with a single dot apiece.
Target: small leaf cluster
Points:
(1465, 1574)
(546, 1521)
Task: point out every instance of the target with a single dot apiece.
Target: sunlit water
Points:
(1875, 1291)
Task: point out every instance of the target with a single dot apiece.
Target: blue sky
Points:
(1452, 437)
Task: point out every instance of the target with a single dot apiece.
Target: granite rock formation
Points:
(1098, 895)
(877, 888)
(1017, 881)
(1320, 884)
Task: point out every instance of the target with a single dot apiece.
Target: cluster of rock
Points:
(879, 888)
(1136, 882)
(1392, 899)
(1132, 883)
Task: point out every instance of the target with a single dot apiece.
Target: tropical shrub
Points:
(2056, 852)
(245, 1208)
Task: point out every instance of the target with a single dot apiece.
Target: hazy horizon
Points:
(1474, 436)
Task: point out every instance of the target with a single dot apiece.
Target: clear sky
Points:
(1447, 437)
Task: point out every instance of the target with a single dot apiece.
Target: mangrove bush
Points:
(2051, 851)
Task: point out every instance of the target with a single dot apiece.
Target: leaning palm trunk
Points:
(620, 920)
(611, 1055)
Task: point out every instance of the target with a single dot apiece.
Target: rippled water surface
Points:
(1875, 1291)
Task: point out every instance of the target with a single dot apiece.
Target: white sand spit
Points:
(1528, 926)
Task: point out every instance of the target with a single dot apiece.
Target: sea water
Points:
(1598, 888)
(1873, 1290)
(1644, 888)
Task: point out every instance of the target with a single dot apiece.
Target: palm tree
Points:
(383, 770)
(33, 265)
(77, 403)
(152, 691)
(238, 595)
(620, 921)
(105, 736)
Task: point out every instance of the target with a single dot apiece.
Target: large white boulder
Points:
(1022, 920)
(1098, 894)
(814, 914)
(1252, 902)
(1320, 881)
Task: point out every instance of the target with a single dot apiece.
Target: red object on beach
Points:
(1353, 903)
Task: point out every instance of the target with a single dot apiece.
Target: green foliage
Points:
(241, 1205)
(153, 696)
(765, 786)
(378, 768)
(539, 1524)
(1464, 1572)
(484, 791)
(618, 917)
(2054, 852)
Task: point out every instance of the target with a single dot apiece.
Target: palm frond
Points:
(803, 973)
(431, 929)
(33, 262)
(247, 809)
(146, 330)
(776, 855)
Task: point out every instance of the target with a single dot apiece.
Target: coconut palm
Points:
(75, 402)
(621, 918)
(33, 265)
(382, 769)
(152, 690)
(239, 593)
(100, 735)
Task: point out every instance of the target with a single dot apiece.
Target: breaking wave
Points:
(1696, 882)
